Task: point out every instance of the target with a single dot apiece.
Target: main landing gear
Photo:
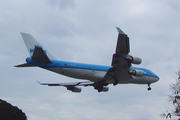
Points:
(115, 82)
(100, 86)
(149, 88)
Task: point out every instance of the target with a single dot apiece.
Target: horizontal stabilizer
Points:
(40, 56)
(25, 65)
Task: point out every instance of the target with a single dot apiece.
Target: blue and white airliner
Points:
(98, 76)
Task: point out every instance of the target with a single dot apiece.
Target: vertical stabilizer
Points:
(31, 43)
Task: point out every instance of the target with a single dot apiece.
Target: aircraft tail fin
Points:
(31, 43)
(40, 56)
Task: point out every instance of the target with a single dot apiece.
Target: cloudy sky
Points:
(84, 31)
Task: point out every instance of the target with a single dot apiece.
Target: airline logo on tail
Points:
(32, 50)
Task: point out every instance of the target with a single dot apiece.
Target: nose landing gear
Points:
(149, 88)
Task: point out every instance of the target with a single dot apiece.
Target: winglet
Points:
(41, 83)
(38, 82)
(120, 31)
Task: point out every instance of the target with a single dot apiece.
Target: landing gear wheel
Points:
(115, 82)
(149, 88)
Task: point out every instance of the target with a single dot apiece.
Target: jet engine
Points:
(74, 89)
(137, 73)
(134, 60)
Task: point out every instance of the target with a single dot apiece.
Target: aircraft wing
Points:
(122, 50)
(71, 86)
(85, 83)
(120, 70)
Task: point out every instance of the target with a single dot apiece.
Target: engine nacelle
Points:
(105, 89)
(137, 73)
(134, 60)
(74, 89)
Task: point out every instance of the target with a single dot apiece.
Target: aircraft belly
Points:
(98, 75)
(80, 73)
(92, 75)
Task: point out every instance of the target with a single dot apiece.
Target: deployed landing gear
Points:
(101, 86)
(99, 90)
(115, 82)
(149, 88)
(103, 89)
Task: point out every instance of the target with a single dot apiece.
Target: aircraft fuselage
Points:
(92, 72)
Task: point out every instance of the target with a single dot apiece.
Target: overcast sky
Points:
(84, 31)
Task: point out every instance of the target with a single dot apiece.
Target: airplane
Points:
(98, 76)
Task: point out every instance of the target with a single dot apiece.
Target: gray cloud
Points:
(62, 4)
(84, 31)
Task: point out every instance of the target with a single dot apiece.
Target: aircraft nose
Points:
(156, 79)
